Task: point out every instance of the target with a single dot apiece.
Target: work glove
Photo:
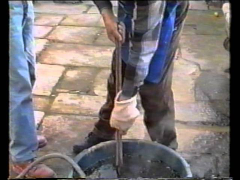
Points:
(124, 113)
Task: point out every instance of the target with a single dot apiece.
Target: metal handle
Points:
(118, 136)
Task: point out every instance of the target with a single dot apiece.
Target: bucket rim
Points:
(91, 149)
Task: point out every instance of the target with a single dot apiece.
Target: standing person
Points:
(153, 31)
(24, 141)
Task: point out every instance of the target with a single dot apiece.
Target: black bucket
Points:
(91, 157)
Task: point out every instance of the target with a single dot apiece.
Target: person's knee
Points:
(20, 80)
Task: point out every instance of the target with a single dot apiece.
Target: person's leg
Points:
(157, 99)
(24, 142)
(158, 104)
(102, 130)
(29, 42)
(22, 126)
(29, 45)
(102, 127)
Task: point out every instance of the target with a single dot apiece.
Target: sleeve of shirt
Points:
(101, 5)
(146, 29)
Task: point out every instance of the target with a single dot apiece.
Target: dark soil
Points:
(134, 167)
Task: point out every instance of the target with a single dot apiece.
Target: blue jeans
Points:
(23, 135)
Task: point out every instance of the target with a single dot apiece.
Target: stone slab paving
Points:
(94, 10)
(55, 8)
(70, 34)
(102, 39)
(70, 128)
(198, 5)
(183, 93)
(62, 132)
(78, 80)
(48, 19)
(40, 45)
(77, 55)
(189, 29)
(205, 151)
(205, 19)
(216, 88)
(201, 50)
(223, 165)
(47, 77)
(100, 83)
(90, 3)
(77, 104)
(222, 106)
(201, 140)
(42, 31)
(185, 68)
(81, 20)
(197, 112)
(203, 148)
(38, 117)
(183, 80)
(41, 103)
(202, 166)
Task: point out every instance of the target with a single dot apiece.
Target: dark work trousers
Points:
(157, 99)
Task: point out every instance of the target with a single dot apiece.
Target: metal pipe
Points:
(118, 136)
(50, 156)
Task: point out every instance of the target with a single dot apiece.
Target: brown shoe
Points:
(42, 141)
(38, 171)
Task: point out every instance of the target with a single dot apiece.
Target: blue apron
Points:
(159, 60)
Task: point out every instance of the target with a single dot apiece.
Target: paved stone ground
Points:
(73, 60)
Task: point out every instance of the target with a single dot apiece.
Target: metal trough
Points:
(149, 150)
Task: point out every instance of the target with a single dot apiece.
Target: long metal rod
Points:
(118, 136)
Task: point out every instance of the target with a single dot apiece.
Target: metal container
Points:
(149, 150)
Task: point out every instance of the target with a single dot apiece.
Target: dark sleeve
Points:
(103, 4)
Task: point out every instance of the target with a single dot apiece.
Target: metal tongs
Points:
(118, 135)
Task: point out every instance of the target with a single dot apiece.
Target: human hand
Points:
(114, 30)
